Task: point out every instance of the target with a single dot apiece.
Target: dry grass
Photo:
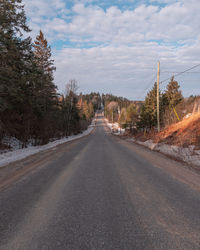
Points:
(183, 133)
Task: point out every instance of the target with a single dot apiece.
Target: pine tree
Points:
(149, 111)
(29, 104)
(173, 94)
(42, 52)
(15, 68)
(131, 115)
(45, 89)
(12, 18)
(43, 55)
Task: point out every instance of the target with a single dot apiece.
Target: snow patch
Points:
(148, 144)
(12, 142)
(188, 155)
(114, 127)
(19, 154)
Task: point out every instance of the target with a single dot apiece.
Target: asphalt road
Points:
(101, 192)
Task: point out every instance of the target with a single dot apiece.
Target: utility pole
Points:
(158, 97)
(112, 117)
(119, 112)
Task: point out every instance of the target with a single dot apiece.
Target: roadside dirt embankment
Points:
(184, 133)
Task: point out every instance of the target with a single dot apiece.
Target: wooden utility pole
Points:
(119, 113)
(112, 117)
(158, 97)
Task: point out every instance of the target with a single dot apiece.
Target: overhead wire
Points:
(173, 72)
(180, 73)
(175, 75)
(148, 85)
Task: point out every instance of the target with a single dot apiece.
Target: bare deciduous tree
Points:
(71, 87)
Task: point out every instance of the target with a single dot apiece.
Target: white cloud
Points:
(44, 8)
(123, 70)
(172, 23)
(127, 41)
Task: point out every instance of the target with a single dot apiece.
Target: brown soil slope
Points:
(183, 133)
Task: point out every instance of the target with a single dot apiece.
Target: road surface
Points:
(99, 192)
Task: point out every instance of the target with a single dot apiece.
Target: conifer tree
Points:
(42, 52)
(173, 94)
(149, 111)
(15, 68)
(131, 115)
(45, 88)
(43, 55)
(29, 104)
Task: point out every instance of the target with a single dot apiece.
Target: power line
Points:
(181, 72)
(176, 74)
(149, 84)
(152, 80)
(173, 72)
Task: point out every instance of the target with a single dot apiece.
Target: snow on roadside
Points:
(188, 155)
(12, 142)
(20, 154)
(115, 127)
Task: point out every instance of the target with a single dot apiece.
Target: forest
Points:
(141, 116)
(31, 108)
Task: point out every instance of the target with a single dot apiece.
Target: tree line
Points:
(30, 106)
(140, 116)
(168, 101)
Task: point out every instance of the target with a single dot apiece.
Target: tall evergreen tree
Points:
(43, 55)
(173, 94)
(45, 90)
(42, 52)
(15, 67)
(29, 104)
(149, 110)
(131, 115)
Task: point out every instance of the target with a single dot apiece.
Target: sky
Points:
(114, 46)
